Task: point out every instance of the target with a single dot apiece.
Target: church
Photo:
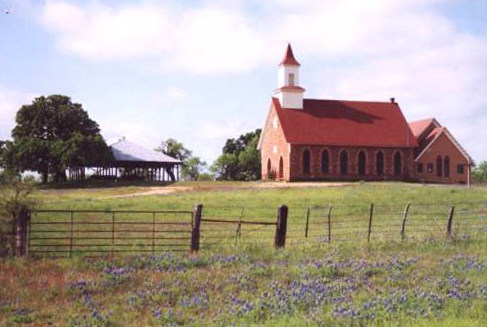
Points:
(316, 140)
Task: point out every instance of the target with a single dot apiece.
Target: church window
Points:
(269, 168)
(306, 161)
(460, 169)
(397, 164)
(325, 162)
(379, 162)
(281, 168)
(343, 162)
(362, 161)
(439, 169)
(430, 168)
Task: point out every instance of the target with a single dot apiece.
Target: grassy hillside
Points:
(257, 194)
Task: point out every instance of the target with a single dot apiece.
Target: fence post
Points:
(370, 221)
(21, 223)
(329, 223)
(449, 233)
(307, 224)
(404, 217)
(195, 228)
(238, 232)
(281, 225)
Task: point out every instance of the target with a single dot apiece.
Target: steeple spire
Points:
(289, 58)
(289, 93)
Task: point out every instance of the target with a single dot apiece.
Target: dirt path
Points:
(165, 190)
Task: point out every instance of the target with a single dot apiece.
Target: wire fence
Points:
(95, 232)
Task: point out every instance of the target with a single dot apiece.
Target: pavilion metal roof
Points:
(124, 150)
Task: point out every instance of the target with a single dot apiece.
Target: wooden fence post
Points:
(329, 223)
(281, 225)
(449, 233)
(195, 228)
(404, 217)
(238, 232)
(307, 223)
(21, 235)
(370, 221)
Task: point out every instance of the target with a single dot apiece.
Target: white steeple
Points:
(289, 93)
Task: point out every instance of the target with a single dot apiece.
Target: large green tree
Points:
(53, 133)
(240, 159)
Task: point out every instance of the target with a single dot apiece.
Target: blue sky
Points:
(204, 71)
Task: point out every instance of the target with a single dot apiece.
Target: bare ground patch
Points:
(165, 190)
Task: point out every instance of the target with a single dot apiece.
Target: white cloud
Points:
(220, 130)
(367, 49)
(179, 38)
(10, 103)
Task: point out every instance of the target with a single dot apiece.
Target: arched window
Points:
(306, 161)
(343, 162)
(281, 168)
(269, 168)
(446, 166)
(397, 164)
(325, 162)
(362, 161)
(439, 167)
(379, 163)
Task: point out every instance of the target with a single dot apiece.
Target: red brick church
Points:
(311, 139)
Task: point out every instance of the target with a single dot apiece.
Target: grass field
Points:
(427, 281)
(252, 194)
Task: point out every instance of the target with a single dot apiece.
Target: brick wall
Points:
(442, 147)
(274, 147)
(334, 173)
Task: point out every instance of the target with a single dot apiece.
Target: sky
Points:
(205, 71)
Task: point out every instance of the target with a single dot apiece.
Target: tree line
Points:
(54, 133)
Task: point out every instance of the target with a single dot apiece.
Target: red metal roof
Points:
(289, 57)
(419, 127)
(348, 123)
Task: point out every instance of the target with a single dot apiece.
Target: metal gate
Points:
(95, 232)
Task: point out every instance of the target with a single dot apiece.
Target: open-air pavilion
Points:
(133, 162)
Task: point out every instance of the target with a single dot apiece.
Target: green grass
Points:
(424, 280)
(250, 194)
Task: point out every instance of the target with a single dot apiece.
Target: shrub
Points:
(15, 196)
(205, 177)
